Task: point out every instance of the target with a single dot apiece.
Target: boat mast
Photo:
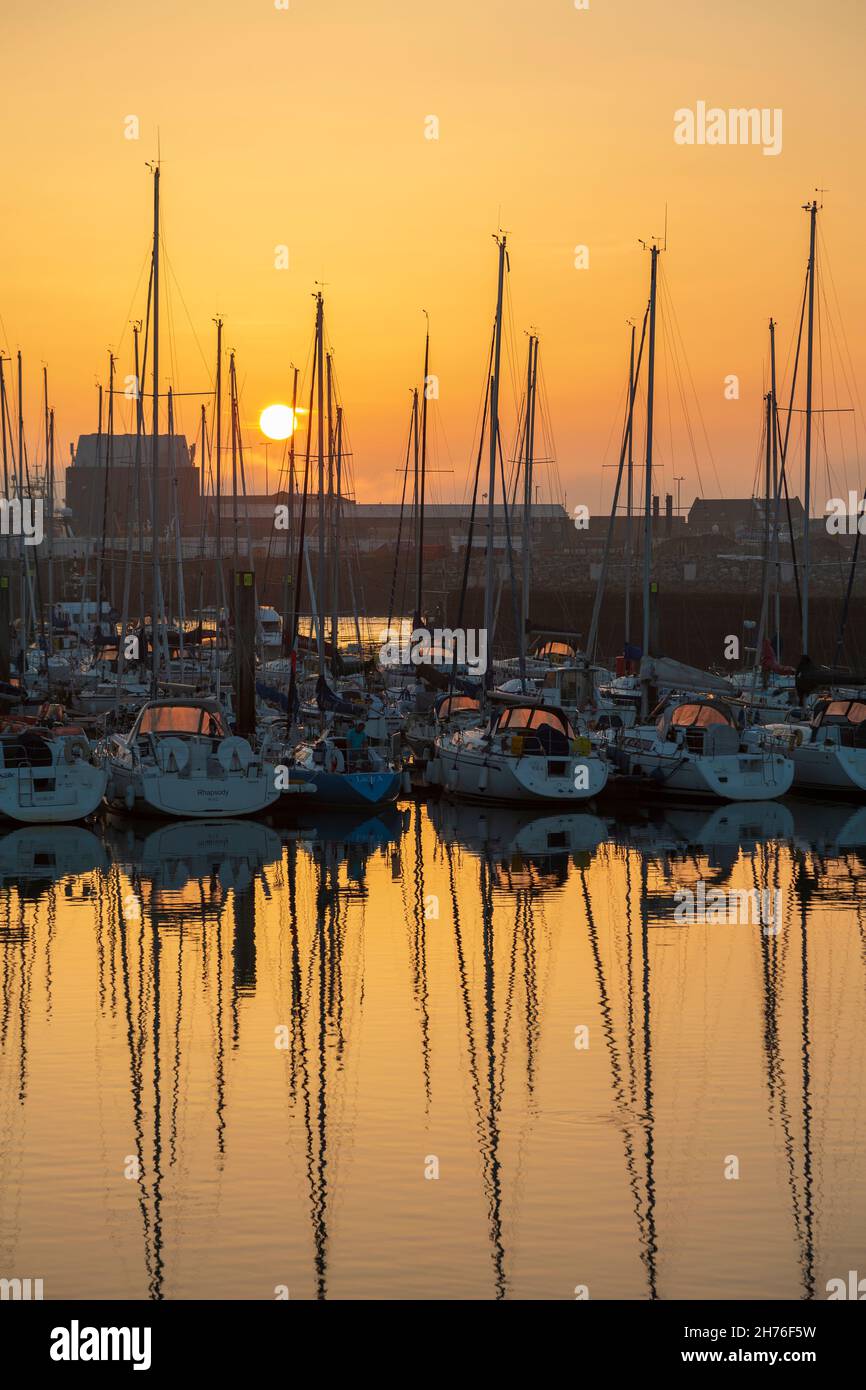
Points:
(233, 409)
(812, 209)
(338, 463)
(106, 482)
(629, 494)
(528, 459)
(421, 488)
(290, 529)
(320, 401)
(494, 444)
(648, 471)
(218, 483)
(774, 573)
(416, 485)
(332, 540)
(154, 498)
(8, 546)
(49, 471)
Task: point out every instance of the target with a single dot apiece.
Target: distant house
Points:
(740, 518)
(106, 486)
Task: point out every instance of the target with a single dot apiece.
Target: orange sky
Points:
(306, 127)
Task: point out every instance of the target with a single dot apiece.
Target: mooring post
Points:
(244, 615)
(5, 622)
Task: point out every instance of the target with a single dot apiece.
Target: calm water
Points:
(235, 1057)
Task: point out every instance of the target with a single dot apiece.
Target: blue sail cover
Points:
(274, 696)
(326, 698)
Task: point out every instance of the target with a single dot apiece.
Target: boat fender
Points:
(75, 748)
(406, 781)
(129, 797)
(482, 778)
(332, 760)
(234, 754)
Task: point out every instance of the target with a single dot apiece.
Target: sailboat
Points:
(181, 759)
(47, 774)
(340, 766)
(526, 752)
(690, 744)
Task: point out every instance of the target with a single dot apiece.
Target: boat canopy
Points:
(456, 704)
(524, 719)
(694, 715)
(182, 718)
(842, 712)
(554, 651)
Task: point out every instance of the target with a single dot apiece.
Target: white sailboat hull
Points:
(531, 779)
(150, 791)
(749, 776)
(830, 768)
(51, 795)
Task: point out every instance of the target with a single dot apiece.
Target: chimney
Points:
(669, 513)
(655, 509)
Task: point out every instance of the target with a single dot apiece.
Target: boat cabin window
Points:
(522, 719)
(697, 716)
(182, 719)
(457, 704)
(555, 651)
(844, 712)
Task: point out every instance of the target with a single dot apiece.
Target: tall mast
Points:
(19, 474)
(49, 488)
(320, 391)
(8, 546)
(154, 501)
(419, 556)
(338, 503)
(528, 459)
(772, 490)
(648, 478)
(106, 482)
(218, 486)
(233, 403)
(774, 574)
(139, 426)
(290, 530)
(332, 557)
(494, 443)
(629, 492)
(812, 209)
(416, 489)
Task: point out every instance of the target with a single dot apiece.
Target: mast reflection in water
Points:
(442, 1052)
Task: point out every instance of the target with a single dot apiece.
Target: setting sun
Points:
(277, 421)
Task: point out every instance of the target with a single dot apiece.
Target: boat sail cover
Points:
(675, 675)
(328, 699)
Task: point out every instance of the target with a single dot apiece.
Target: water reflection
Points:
(243, 1045)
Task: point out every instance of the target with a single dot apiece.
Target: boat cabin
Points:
(181, 719)
(556, 653)
(568, 685)
(847, 717)
(451, 706)
(701, 727)
(533, 729)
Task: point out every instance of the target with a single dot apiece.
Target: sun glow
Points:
(277, 421)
